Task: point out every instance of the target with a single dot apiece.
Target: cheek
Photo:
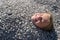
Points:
(46, 21)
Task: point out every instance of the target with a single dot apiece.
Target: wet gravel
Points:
(15, 19)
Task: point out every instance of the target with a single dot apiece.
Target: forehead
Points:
(46, 15)
(42, 14)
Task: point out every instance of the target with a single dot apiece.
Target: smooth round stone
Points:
(43, 20)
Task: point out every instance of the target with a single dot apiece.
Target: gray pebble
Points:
(15, 22)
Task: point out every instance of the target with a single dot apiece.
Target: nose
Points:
(38, 18)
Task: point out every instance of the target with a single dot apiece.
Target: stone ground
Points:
(15, 19)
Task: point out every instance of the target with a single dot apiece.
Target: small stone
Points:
(0, 20)
(9, 13)
(43, 20)
(17, 20)
(19, 34)
(57, 14)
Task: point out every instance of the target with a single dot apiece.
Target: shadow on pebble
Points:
(47, 35)
(43, 2)
(32, 34)
(4, 35)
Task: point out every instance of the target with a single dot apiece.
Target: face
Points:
(41, 19)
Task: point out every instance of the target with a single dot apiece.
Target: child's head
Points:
(42, 20)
